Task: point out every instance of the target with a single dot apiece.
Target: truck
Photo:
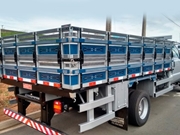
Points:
(87, 70)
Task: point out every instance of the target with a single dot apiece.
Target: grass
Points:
(5, 32)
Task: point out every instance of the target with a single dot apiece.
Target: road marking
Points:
(177, 94)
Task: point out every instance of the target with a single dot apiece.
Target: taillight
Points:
(57, 107)
(16, 98)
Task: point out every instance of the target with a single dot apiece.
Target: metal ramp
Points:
(110, 98)
(91, 104)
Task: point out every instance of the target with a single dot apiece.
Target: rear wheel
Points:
(139, 107)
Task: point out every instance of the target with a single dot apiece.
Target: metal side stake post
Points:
(90, 98)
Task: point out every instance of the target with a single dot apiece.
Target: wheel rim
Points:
(143, 108)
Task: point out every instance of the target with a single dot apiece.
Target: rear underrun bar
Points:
(45, 129)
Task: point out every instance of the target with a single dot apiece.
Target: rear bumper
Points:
(33, 123)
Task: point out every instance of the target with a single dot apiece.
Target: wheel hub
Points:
(143, 108)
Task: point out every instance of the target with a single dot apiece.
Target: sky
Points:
(34, 15)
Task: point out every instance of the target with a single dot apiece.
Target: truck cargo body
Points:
(80, 68)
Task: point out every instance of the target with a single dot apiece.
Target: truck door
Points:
(176, 71)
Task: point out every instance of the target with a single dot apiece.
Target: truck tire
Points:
(131, 92)
(139, 108)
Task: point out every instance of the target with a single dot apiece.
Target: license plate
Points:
(27, 86)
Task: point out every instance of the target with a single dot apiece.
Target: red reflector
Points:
(33, 81)
(160, 70)
(5, 76)
(116, 79)
(46, 83)
(133, 75)
(57, 106)
(150, 72)
(92, 83)
(20, 79)
(57, 85)
(11, 77)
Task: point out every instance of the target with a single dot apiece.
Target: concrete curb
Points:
(11, 122)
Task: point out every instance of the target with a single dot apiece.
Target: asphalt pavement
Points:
(164, 120)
